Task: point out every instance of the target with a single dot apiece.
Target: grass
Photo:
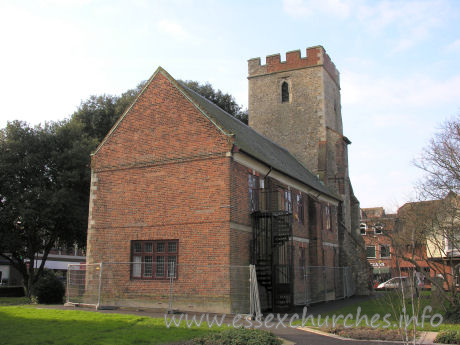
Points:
(390, 303)
(14, 301)
(30, 325)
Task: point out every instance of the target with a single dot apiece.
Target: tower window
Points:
(284, 92)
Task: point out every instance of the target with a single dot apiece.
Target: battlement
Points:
(316, 56)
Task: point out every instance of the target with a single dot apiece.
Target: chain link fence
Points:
(184, 287)
(322, 283)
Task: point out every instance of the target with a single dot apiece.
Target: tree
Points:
(98, 114)
(223, 100)
(45, 177)
(44, 192)
(440, 161)
(428, 231)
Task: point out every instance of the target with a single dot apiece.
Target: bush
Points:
(448, 337)
(48, 289)
(239, 336)
(453, 312)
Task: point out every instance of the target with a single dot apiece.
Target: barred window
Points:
(154, 259)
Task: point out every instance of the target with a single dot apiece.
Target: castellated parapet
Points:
(316, 56)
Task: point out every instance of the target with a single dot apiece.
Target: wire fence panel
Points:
(201, 288)
(83, 283)
(160, 285)
(321, 283)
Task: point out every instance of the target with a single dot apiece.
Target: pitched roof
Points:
(256, 145)
(246, 138)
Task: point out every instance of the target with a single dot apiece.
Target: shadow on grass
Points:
(26, 325)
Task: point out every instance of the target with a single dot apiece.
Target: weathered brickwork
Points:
(162, 174)
(168, 171)
(309, 125)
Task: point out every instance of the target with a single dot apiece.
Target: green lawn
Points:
(29, 325)
(390, 303)
(13, 301)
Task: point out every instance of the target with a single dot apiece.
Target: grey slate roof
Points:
(258, 146)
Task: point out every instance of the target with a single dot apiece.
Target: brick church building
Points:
(177, 180)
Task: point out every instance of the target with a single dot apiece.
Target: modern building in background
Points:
(422, 239)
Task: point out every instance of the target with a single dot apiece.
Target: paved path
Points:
(300, 337)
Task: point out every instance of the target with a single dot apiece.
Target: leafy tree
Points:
(223, 100)
(99, 113)
(45, 177)
(44, 192)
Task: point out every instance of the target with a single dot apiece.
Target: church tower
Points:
(296, 103)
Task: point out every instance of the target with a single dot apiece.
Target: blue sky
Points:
(399, 63)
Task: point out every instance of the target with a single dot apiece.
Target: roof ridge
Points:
(193, 93)
(242, 123)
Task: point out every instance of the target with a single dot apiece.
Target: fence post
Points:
(100, 285)
(68, 284)
(324, 283)
(171, 273)
(344, 282)
(251, 297)
(254, 302)
(304, 285)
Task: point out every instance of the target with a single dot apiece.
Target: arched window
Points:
(284, 92)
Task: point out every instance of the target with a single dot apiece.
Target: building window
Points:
(300, 209)
(302, 257)
(154, 259)
(378, 229)
(327, 217)
(287, 201)
(253, 193)
(362, 228)
(384, 251)
(370, 252)
(284, 92)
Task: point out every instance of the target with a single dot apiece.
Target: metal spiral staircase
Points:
(272, 250)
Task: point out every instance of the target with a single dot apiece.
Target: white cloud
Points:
(301, 8)
(66, 2)
(174, 30)
(413, 91)
(453, 47)
(410, 22)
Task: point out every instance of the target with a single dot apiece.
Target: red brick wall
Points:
(239, 200)
(161, 126)
(162, 174)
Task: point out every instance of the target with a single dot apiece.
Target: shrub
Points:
(48, 289)
(448, 337)
(453, 312)
(239, 336)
